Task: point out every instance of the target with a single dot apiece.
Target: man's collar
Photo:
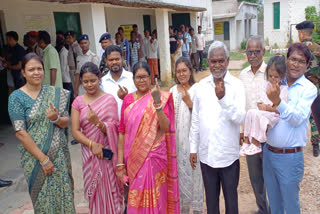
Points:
(298, 81)
(124, 74)
(47, 47)
(262, 68)
(307, 40)
(226, 78)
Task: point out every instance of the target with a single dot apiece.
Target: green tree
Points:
(314, 16)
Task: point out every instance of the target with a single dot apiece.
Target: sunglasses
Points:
(255, 52)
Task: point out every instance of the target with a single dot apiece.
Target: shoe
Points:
(74, 142)
(316, 150)
(243, 148)
(4, 183)
(253, 149)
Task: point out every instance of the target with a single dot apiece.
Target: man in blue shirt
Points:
(282, 156)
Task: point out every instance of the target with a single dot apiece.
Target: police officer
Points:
(105, 41)
(86, 56)
(305, 30)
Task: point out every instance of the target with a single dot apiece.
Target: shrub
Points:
(243, 44)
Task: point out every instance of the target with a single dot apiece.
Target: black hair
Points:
(13, 35)
(118, 34)
(70, 33)
(30, 56)
(154, 32)
(188, 63)
(139, 65)
(302, 48)
(279, 64)
(190, 29)
(44, 36)
(132, 32)
(60, 32)
(113, 48)
(146, 30)
(170, 27)
(90, 67)
(199, 27)
(135, 25)
(120, 28)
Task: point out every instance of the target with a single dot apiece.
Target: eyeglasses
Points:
(141, 78)
(295, 60)
(255, 52)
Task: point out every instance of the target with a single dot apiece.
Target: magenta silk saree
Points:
(151, 163)
(102, 187)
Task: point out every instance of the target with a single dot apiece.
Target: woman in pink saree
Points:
(94, 125)
(147, 150)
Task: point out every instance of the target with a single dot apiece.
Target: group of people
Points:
(149, 151)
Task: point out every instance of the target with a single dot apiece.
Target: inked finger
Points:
(51, 105)
(125, 89)
(120, 87)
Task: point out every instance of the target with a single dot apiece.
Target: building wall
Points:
(291, 12)
(190, 3)
(37, 14)
(224, 7)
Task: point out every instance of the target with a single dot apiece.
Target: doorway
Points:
(179, 19)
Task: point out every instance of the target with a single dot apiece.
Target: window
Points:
(276, 15)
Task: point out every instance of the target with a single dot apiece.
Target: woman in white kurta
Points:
(190, 180)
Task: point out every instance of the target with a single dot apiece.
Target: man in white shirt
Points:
(201, 44)
(254, 79)
(218, 111)
(86, 56)
(117, 82)
(152, 56)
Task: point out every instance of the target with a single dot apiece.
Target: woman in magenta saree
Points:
(147, 151)
(94, 124)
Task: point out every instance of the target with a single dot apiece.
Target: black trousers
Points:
(228, 178)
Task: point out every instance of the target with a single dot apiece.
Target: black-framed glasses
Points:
(295, 60)
(255, 52)
(141, 78)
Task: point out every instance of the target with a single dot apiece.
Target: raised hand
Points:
(155, 92)
(273, 93)
(52, 112)
(92, 116)
(220, 89)
(122, 92)
(186, 97)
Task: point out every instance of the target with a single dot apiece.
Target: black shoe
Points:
(316, 150)
(74, 142)
(4, 183)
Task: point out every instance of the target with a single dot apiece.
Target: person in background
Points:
(74, 51)
(39, 115)
(190, 180)
(305, 30)
(63, 55)
(152, 56)
(94, 125)
(118, 82)
(86, 56)
(105, 41)
(186, 38)
(134, 49)
(146, 40)
(179, 51)
(201, 45)
(146, 148)
(218, 111)
(174, 44)
(51, 61)
(122, 47)
(126, 44)
(194, 56)
(33, 42)
(283, 164)
(139, 39)
(254, 78)
(13, 58)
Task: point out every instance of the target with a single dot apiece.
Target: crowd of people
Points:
(145, 150)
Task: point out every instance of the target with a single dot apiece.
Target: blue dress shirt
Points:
(291, 130)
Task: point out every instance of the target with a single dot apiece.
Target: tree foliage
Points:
(314, 16)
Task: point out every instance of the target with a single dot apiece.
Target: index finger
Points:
(89, 107)
(120, 87)
(51, 105)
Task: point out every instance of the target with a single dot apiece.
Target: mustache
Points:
(218, 69)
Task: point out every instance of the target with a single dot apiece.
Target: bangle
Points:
(120, 164)
(157, 105)
(90, 144)
(55, 121)
(45, 162)
(120, 169)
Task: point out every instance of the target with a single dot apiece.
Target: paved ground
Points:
(16, 200)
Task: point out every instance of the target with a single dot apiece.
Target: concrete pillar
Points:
(93, 23)
(233, 34)
(193, 21)
(162, 22)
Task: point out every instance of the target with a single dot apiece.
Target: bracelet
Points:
(45, 162)
(120, 164)
(158, 108)
(156, 105)
(55, 121)
(120, 169)
(90, 144)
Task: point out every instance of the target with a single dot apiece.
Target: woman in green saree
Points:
(39, 115)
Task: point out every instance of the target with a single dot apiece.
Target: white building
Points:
(234, 22)
(95, 17)
(282, 15)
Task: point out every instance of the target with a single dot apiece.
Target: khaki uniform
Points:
(313, 74)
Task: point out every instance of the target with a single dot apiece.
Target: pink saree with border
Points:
(151, 163)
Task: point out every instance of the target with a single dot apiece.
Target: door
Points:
(67, 21)
(179, 19)
(226, 31)
(147, 23)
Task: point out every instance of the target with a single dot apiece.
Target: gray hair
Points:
(256, 37)
(218, 45)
